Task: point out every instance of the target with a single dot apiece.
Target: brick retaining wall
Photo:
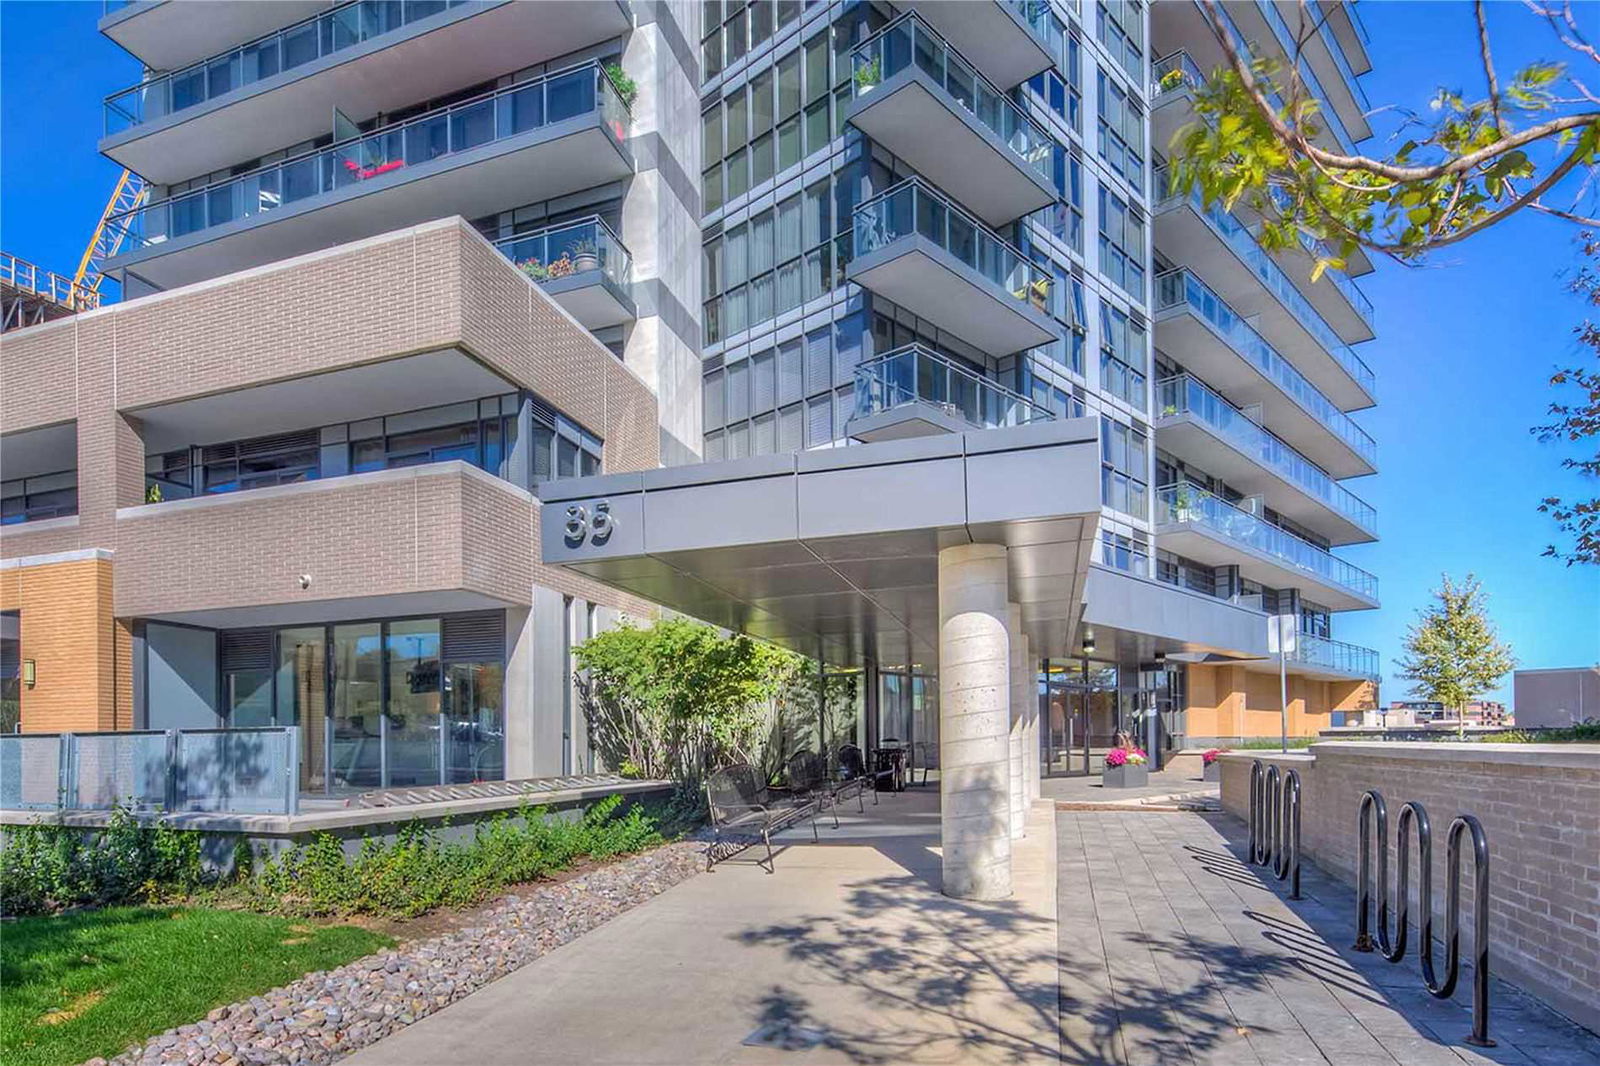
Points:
(1540, 809)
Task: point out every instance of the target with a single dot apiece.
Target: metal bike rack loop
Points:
(1373, 818)
(1275, 823)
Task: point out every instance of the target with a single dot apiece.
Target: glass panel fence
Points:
(1186, 395)
(107, 770)
(30, 772)
(1180, 288)
(1170, 74)
(1191, 505)
(914, 209)
(506, 113)
(914, 374)
(1274, 278)
(909, 41)
(569, 248)
(325, 34)
(244, 770)
(1335, 655)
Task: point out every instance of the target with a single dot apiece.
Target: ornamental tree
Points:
(1452, 653)
(1524, 141)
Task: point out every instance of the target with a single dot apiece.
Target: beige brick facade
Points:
(1230, 701)
(1540, 809)
(82, 658)
(430, 288)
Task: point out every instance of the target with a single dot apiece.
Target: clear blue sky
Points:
(1465, 345)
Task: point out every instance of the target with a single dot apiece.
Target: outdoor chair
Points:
(853, 767)
(808, 774)
(740, 806)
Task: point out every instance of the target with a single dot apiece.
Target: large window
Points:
(1124, 355)
(396, 703)
(1121, 243)
(1120, 27)
(27, 499)
(1121, 128)
(1124, 458)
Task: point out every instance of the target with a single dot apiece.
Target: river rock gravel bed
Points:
(324, 1016)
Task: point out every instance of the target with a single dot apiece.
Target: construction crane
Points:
(129, 194)
(30, 295)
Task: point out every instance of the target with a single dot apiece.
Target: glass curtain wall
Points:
(1080, 714)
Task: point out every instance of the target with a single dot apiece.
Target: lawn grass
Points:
(81, 985)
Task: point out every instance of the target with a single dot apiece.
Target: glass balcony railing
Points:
(1035, 14)
(1186, 395)
(917, 375)
(508, 112)
(1180, 288)
(324, 34)
(1191, 505)
(912, 208)
(1341, 281)
(567, 249)
(1172, 74)
(907, 42)
(1274, 278)
(1286, 41)
(1335, 655)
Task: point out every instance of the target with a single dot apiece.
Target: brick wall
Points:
(83, 667)
(1232, 702)
(427, 288)
(1540, 809)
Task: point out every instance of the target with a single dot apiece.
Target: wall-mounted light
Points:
(1088, 644)
(29, 673)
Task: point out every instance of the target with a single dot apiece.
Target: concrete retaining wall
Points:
(1540, 809)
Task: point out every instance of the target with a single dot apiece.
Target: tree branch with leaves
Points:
(1470, 162)
(1578, 423)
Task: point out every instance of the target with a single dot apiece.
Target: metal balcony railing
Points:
(323, 34)
(569, 248)
(1181, 288)
(1185, 394)
(1335, 655)
(916, 375)
(495, 116)
(46, 284)
(908, 41)
(1272, 277)
(1190, 505)
(914, 209)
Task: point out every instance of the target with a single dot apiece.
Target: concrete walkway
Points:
(1135, 937)
(1166, 788)
(848, 954)
(1174, 951)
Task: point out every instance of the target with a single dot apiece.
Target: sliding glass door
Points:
(357, 744)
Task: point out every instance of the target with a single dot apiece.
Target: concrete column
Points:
(1016, 742)
(974, 722)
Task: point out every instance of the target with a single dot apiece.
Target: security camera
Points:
(305, 581)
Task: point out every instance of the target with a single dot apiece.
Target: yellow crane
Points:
(130, 193)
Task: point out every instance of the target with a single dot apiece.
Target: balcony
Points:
(1333, 659)
(167, 34)
(1193, 523)
(41, 475)
(1196, 424)
(1008, 40)
(359, 57)
(920, 99)
(916, 248)
(1198, 329)
(915, 392)
(536, 140)
(1335, 295)
(582, 265)
(1173, 79)
(1251, 281)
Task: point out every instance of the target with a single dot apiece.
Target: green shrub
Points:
(417, 871)
(47, 867)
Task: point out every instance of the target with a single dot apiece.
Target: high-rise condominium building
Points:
(403, 268)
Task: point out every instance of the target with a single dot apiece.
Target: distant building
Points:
(1556, 697)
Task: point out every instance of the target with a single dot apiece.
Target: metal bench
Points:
(740, 807)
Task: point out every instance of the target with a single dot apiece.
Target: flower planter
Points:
(1125, 776)
(585, 261)
(1213, 772)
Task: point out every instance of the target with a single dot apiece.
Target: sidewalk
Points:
(1171, 789)
(848, 954)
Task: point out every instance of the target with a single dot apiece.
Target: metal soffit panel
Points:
(837, 553)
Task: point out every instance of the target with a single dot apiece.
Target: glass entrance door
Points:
(475, 717)
(356, 746)
(302, 697)
(1078, 709)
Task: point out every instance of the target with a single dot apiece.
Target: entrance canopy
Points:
(834, 553)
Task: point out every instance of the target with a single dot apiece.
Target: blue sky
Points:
(1464, 349)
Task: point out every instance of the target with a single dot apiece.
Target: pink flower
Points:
(1210, 755)
(1116, 757)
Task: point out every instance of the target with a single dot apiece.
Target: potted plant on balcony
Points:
(1125, 768)
(534, 269)
(1211, 769)
(627, 88)
(560, 268)
(1171, 80)
(584, 256)
(868, 74)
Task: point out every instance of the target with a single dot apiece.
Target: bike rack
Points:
(1413, 813)
(1275, 823)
